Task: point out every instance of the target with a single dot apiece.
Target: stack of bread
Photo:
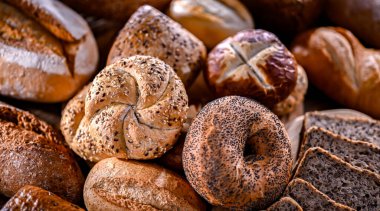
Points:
(183, 105)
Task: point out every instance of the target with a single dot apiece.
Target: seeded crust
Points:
(35, 198)
(32, 153)
(354, 128)
(149, 32)
(311, 198)
(237, 154)
(117, 184)
(339, 180)
(28, 51)
(285, 204)
(358, 153)
(134, 109)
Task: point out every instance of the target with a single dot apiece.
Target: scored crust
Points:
(237, 154)
(133, 109)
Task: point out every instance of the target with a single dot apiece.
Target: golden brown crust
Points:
(116, 184)
(27, 50)
(149, 32)
(203, 18)
(134, 109)
(341, 67)
(31, 152)
(254, 64)
(237, 154)
(35, 198)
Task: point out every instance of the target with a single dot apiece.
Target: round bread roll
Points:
(119, 10)
(237, 154)
(254, 64)
(116, 184)
(32, 153)
(34, 198)
(47, 51)
(219, 18)
(149, 32)
(133, 109)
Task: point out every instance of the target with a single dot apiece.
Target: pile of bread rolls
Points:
(181, 104)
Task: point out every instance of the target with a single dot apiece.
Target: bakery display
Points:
(35, 198)
(149, 32)
(337, 63)
(237, 154)
(45, 41)
(252, 63)
(33, 153)
(133, 109)
(360, 17)
(221, 18)
(117, 184)
(192, 108)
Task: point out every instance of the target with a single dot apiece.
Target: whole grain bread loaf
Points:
(358, 153)
(310, 198)
(350, 127)
(341, 181)
(285, 203)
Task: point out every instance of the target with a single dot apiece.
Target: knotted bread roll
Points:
(133, 109)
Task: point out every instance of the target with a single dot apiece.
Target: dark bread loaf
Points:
(354, 128)
(358, 153)
(341, 181)
(32, 153)
(285, 203)
(35, 198)
(311, 198)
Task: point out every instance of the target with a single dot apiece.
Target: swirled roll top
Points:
(134, 109)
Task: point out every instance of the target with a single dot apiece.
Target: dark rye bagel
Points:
(237, 154)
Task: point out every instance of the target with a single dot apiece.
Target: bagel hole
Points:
(251, 152)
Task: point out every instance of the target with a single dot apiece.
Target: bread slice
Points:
(285, 203)
(339, 180)
(310, 198)
(358, 153)
(355, 128)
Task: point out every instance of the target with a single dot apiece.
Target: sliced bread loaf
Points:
(355, 128)
(309, 198)
(341, 181)
(361, 154)
(285, 204)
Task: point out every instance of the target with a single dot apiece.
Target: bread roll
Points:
(32, 153)
(116, 184)
(133, 109)
(341, 67)
(219, 18)
(149, 32)
(47, 51)
(362, 17)
(35, 198)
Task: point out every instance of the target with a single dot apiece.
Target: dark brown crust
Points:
(237, 154)
(34, 198)
(149, 32)
(31, 152)
(267, 77)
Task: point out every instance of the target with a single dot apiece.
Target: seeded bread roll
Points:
(133, 109)
(358, 153)
(116, 184)
(149, 32)
(47, 42)
(285, 203)
(310, 198)
(35, 198)
(355, 128)
(32, 153)
(339, 180)
(219, 18)
(237, 154)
